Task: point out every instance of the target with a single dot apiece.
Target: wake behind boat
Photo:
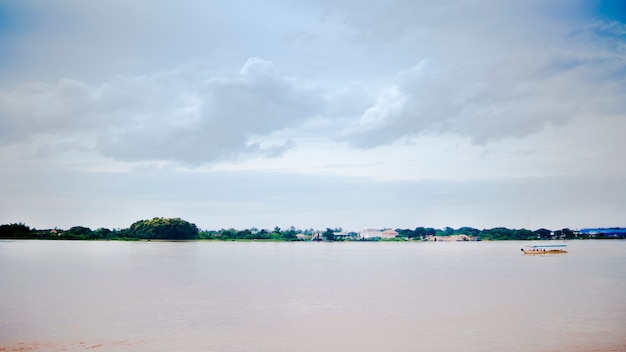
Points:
(545, 249)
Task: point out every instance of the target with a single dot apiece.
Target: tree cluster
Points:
(157, 229)
(494, 234)
(163, 229)
(178, 229)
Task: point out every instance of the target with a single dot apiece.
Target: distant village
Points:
(178, 229)
(384, 234)
(374, 234)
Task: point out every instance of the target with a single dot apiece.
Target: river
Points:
(268, 296)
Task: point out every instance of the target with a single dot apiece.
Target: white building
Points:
(342, 235)
(367, 233)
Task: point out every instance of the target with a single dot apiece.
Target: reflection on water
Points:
(221, 296)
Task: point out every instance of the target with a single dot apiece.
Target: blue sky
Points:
(612, 10)
(313, 114)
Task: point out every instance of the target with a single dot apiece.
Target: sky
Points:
(313, 113)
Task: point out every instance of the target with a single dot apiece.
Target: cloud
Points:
(183, 115)
(491, 77)
(127, 110)
(478, 70)
(38, 108)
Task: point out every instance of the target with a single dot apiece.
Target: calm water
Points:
(226, 296)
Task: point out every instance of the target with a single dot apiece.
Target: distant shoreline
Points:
(284, 241)
(176, 229)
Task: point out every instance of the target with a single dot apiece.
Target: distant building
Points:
(613, 232)
(451, 238)
(368, 233)
(343, 235)
(389, 234)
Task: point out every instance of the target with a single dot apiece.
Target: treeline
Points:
(178, 229)
(157, 229)
(494, 234)
(153, 229)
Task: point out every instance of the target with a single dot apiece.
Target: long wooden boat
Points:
(545, 249)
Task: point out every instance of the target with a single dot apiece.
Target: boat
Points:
(545, 249)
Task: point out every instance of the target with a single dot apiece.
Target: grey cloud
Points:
(43, 108)
(271, 151)
(184, 115)
(218, 120)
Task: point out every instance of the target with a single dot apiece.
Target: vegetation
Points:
(178, 229)
(163, 229)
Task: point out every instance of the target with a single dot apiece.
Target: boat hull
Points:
(546, 251)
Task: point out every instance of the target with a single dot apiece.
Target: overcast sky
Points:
(313, 113)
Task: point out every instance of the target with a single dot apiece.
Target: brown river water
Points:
(253, 296)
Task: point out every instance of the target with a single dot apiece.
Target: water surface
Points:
(234, 296)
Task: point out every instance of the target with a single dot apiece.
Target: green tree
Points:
(568, 234)
(77, 233)
(469, 231)
(207, 235)
(329, 234)
(543, 233)
(164, 229)
(291, 234)
(262, 235)
(405, 233)
(277, 234)
(228, 234)
(16, 231)
(102, 233)
(244, 234)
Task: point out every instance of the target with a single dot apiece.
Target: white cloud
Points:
(492, 101)
(482, 71)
